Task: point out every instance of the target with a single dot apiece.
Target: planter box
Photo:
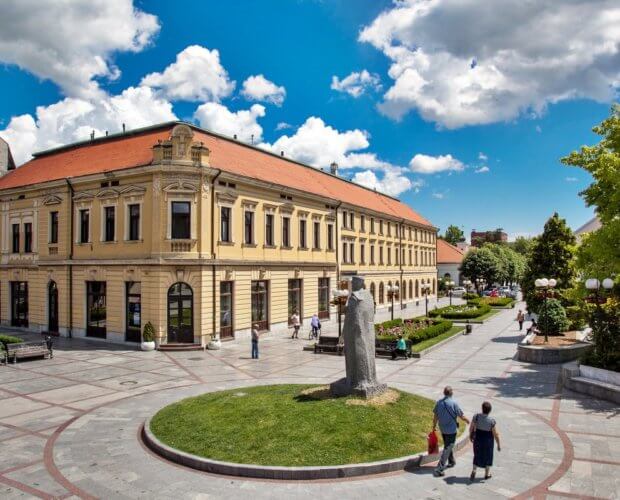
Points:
(543, 355)
(606, 376)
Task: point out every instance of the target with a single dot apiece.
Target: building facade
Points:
(449, 259)
(479, 238)
(196, 233)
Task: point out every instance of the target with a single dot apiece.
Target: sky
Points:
(460, 108)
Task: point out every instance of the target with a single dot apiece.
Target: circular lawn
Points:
(294, 425)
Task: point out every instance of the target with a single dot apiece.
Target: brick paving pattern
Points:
(69, 426)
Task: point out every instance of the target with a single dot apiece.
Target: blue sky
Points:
(479, 108)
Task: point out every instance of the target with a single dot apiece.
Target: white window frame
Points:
(190, 198)
(140, 203)
(102, 223)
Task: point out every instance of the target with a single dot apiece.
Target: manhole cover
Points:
(195, 359)
(129, 382)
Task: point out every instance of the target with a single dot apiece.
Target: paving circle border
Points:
(288, 473)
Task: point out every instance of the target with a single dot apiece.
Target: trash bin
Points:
(468, 328)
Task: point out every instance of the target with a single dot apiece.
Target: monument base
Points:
(342, 387)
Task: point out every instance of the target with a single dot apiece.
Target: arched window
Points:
(372, 292)
(434, 285)
(403, 287)
(381, 293)
(410, 289)
(180, 313)
(417, 289)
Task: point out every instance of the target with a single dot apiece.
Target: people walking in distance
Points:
(520, 319)
(447, 413)
(296, 324)
(315, 323)
(482, 432)
(255, 336)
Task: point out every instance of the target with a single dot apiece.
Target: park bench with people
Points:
(27, 350)
(329, 344)
(387, 347)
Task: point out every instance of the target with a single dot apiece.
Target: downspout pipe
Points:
(337, 247)
(213, 301)
(70, 259)
(400, 259)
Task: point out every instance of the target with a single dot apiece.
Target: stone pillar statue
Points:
(359, 346)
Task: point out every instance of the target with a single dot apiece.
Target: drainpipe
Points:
(337, 247)
(70, 265)
(400, 260)
(213, 302)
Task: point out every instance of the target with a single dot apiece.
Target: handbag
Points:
(472, 432)
(433, 443)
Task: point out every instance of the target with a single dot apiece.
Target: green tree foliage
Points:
(551, 257)
(495, 263)
(453, 235)
(522, 245)
(552, 319)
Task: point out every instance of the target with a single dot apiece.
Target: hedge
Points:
(386, 325)
(458, 312)
(7, 339)
(492, 301)
(470, 296)
(437, 328)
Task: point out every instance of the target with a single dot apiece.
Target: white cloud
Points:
(392, 183)
(482, 170)
(571, 179)
(196, 75)
(73, 119)
(319, 144)
(283, 126)
(476, 62)
(243, 123)
(258, 88)
(439, 196)
(425, 164)
(357, 83)
(72, 43)
(482, 156)
(538, 129)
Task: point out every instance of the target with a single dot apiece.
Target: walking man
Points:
(520, 319)
(255, 336)
(315, 323)
(447, 412)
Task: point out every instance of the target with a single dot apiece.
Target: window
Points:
(324, 298)
(372, 254)
(316, 239)
(302, 234)
(53, 227)
(96, 310)
(352, 253)
(84, 226)
(15, 230)
(362, 253)
(345, 247)
(409, 239)
(226, 309)
(389, 228)
(248, 227)
(380, 227)
(28, 237)
(351, 220)
(416, 257)
(260, 304)
(133, 311)
(410, 261)
(109, 223)
(180, 229)
(269, 230)
(381, 289)
(286, 232)
(294, 299)
(225, 233)
(330, 236)
(396, 259)
(134, 221)
(362, 223)
(389, 256)
(345, 219)
(19, 303)
(372, 225)
(381, 255)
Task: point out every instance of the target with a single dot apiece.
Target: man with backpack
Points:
(447, 412)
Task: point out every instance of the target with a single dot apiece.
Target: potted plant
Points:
(215, 343)
(148, 337)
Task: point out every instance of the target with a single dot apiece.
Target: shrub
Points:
(576, 318)
(8, 339)
(415, 329)
(492, 301)
(386, 325)
(430, 331)
(552, 318)
(469, 311)
(470, 296)
(148, 334)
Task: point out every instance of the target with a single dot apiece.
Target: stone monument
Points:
(359, 346)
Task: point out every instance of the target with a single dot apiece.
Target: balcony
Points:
(180, 246)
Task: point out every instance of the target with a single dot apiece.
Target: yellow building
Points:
(197, 233)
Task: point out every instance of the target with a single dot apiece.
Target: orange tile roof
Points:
(134, 149)
(448, 254)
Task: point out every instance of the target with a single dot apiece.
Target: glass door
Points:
(19, 303)
(96, 309)
(260, 304)
(133, 308)
(52, 307)
(180, 314)
(226, 310)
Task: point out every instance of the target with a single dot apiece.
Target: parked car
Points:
(504, 290)
(458, 291)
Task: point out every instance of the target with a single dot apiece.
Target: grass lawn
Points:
(425, 344)
(277, 425)
(479, 319)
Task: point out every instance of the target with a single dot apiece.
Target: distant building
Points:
(449, 260)
(463, 246)
(589, 227)
(479, 238)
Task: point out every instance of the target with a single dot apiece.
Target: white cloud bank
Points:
(475, 62)
(243, 123)
(482, 170)
(357, 83)
(258, 88)
(425, 164)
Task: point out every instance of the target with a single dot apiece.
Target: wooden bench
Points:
(386, 347)
(28, 350)
(332, 344)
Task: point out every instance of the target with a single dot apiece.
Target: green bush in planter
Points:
(552, 318)
(386, 325)
(8, 339)
(470, 296)
(148, 334)
(430, 331)
(469, 311)
(576, 318)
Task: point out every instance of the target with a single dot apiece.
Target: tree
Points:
(480, 263)
(453, 235)
(522, 245)
(551, 257)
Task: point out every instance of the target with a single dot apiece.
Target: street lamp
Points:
(392, 291)
(426, 288)
(466, 284)
(545, 286)
(450, 285)
(480, 285)
(595, 285)
(340, 297)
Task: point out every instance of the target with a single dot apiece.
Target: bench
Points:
(386, 347)
(333, 344)
(28, 350)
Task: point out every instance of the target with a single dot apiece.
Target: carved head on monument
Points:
(357, 283)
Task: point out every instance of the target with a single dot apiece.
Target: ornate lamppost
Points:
(392, 292)
(340, 297)
(545, 287)
(480, 285)
(467, 284)
(450, 285)
(426, 288)
(594, 286)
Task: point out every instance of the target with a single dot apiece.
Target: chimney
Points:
(123, 128)
(235, 137)
(333, 168)
(92, 135)
(281, 153)
(6, 158)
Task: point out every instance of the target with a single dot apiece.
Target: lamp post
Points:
(426, 288)
(339, 299)
(545, 286)
(594, 285)
(450, 285)
(392, 291)
(479, 285)
(467, 284)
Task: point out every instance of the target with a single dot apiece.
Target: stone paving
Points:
(69, 426)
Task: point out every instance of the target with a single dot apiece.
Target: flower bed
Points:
(492, 301)
(415, 329)
(468, 311)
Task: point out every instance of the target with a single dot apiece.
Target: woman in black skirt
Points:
(482, 432)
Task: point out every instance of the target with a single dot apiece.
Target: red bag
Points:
(433, 443)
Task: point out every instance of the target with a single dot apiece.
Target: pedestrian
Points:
(255, 336)
(447, 412)
(401, 347)
(520, 319)
(296, 323)
(482, 432)
(533, 327)
(315, 323)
